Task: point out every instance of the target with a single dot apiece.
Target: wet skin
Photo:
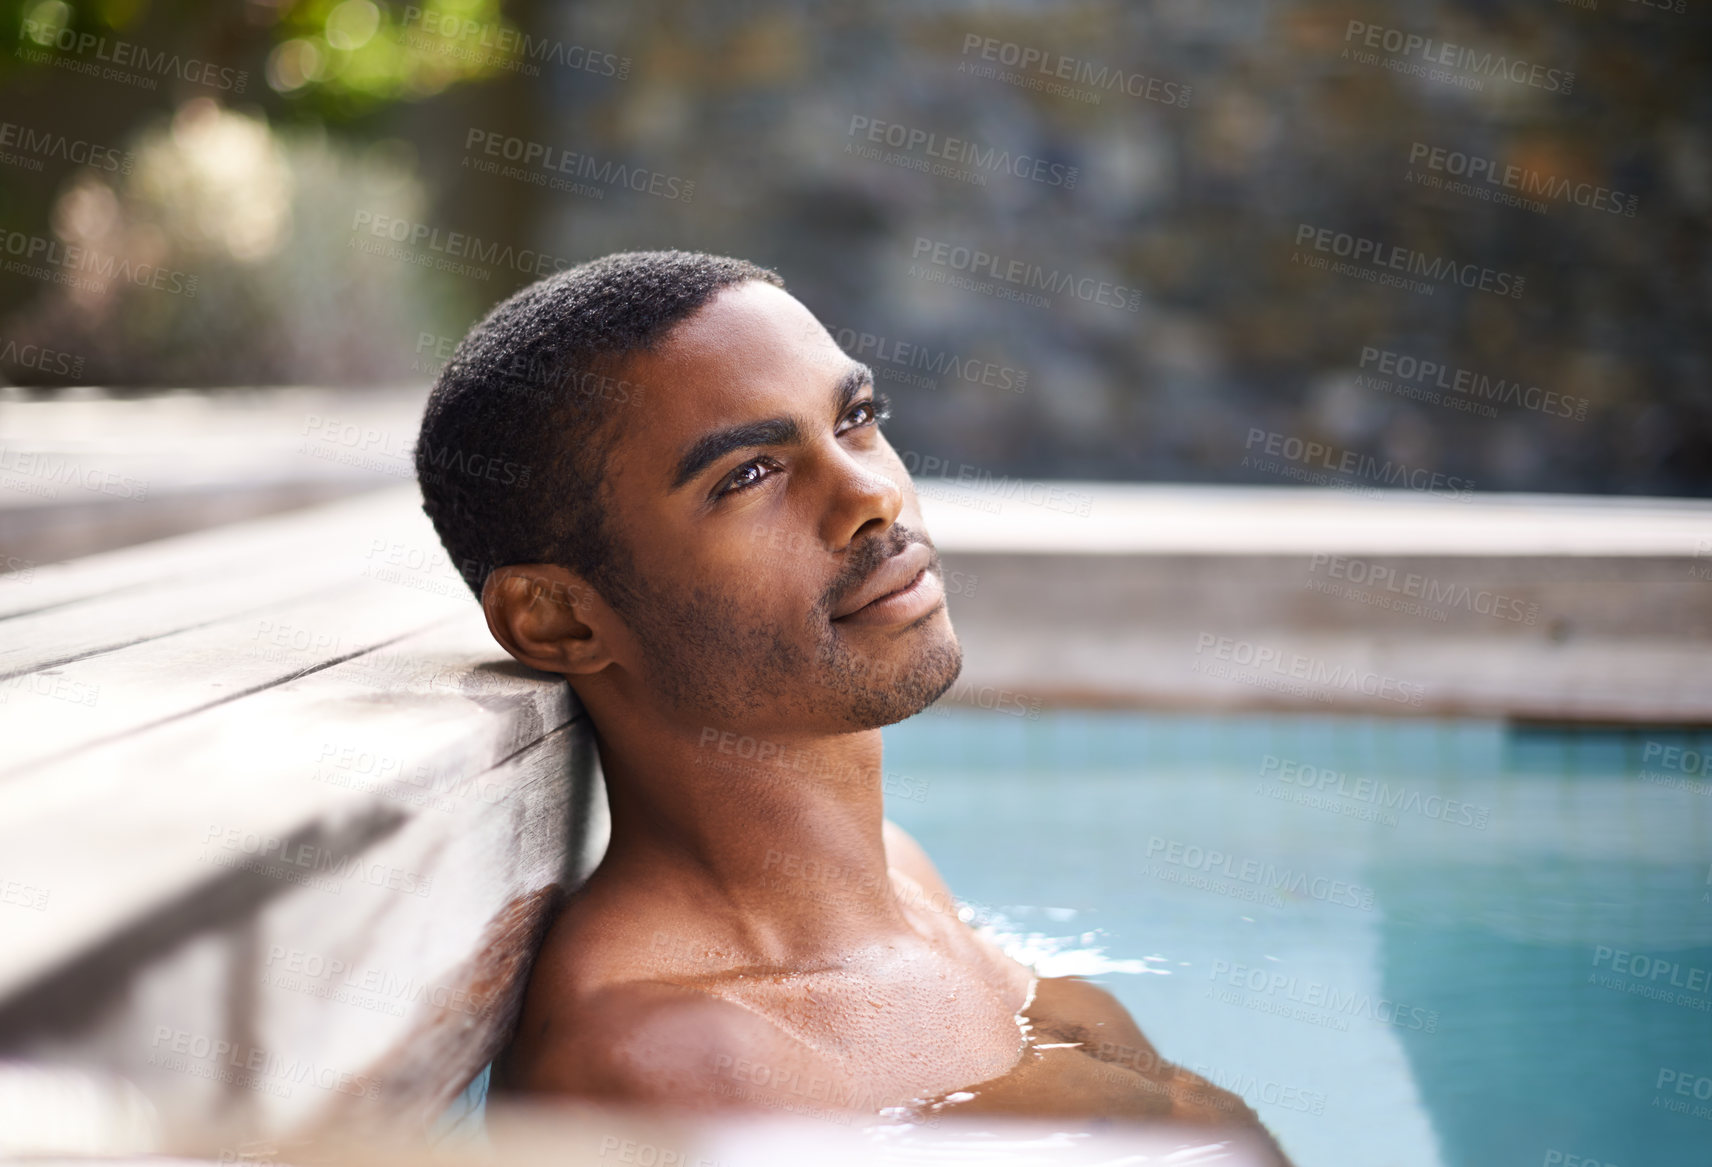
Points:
(757, 935)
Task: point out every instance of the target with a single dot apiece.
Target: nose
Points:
(862, 501)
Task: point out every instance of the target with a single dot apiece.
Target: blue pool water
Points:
(1430, 943)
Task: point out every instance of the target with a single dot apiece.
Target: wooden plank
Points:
(380, 545)
(57, 711)
(64, 530)
(257, 1007)
(422, 714)
(91, 473)
(309, 541)
(430, 1062)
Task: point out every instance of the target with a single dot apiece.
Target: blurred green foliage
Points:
(334, 59)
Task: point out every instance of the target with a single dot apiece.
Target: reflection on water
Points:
(1080, 955)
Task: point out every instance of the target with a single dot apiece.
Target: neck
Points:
(779, 832)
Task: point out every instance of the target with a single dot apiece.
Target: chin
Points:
(930, 661)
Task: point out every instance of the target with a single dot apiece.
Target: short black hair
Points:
(520, 424)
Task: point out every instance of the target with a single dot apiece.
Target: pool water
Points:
(1454, 943)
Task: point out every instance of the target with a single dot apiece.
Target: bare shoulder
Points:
(653, 1042)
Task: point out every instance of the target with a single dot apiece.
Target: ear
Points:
(549, 618)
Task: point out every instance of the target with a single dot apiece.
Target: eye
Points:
(745, 476)
(871, 412)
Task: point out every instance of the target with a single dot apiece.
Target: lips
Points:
(894, 575)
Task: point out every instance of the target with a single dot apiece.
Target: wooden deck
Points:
(278, 822)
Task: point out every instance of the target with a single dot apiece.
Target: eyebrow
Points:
(774, 431)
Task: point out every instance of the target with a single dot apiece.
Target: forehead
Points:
(746, 335)
(753, 352)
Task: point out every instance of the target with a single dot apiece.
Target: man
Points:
(704, 530)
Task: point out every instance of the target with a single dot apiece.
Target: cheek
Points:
(767, 575)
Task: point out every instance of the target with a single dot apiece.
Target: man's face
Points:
(783, 576)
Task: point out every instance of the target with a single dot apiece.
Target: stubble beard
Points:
(708, 658)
